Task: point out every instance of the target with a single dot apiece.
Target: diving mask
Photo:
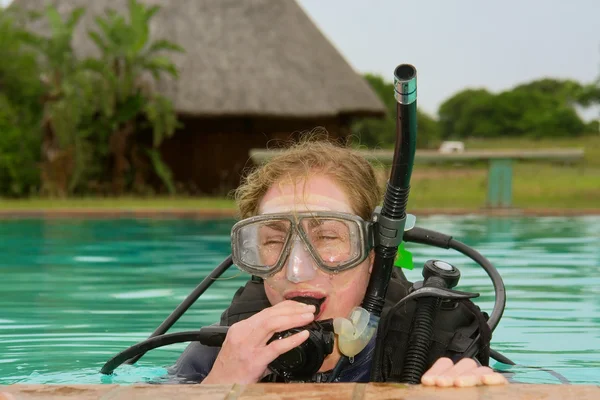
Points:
(336, 241)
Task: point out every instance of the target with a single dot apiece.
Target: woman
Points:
(303, 231)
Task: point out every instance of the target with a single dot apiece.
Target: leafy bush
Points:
(20, 111)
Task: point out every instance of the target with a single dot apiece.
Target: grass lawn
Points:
(535, 185)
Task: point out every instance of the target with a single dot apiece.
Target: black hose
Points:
(209, 336)
(500, 358)
(187, 303)
(505, 360)
(419, 341)
(432, 238)
(499, 289)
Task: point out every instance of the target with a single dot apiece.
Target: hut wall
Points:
(208, 155)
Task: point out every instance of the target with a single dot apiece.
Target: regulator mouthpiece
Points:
(405, 84)
(310, 301)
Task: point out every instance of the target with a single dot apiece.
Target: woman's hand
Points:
(245, 354)
(466, 372)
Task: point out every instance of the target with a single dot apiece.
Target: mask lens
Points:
(336, 242)
(259, 245)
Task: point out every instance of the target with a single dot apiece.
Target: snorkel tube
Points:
(390, 219)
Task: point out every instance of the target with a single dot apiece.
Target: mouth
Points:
(315, 299)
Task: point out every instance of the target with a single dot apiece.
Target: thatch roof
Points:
(256, 57)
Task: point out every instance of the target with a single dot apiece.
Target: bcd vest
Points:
(459, 327)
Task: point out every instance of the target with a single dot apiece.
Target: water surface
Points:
(74, 292)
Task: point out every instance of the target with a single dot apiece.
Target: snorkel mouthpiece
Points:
(355, 333)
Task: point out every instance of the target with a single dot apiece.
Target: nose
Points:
(300, 266)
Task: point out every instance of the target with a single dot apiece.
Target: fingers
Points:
(464, 373)
(281, 346)
(447, 377)
(245, 354)
(256, 331)
(285, 307)
(278, 324)
(480, 376)
(278, 318)
(437, 369)
(494, 378)
(472, 378)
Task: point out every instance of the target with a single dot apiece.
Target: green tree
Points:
(374, 132)
(544, 107)
(590, 94)
(20, 110)
(456, 115)
(68, 106)
(129, 107)
(98, 111)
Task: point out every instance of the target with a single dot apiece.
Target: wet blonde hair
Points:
(313, 154)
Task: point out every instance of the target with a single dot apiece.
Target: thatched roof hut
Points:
(253, 71)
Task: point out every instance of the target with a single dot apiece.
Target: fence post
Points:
(500, 183)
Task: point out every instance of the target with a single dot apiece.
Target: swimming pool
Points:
(75, 292)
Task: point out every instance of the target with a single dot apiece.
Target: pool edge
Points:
(355, 391)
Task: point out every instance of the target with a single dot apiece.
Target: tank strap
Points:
(484, 330)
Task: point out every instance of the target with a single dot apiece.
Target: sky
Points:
(458, 44)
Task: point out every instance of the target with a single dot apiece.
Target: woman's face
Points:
(300, 276)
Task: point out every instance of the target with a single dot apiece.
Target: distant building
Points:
(253, 71)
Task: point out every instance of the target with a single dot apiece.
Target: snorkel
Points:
(356, 332)
(392, 218)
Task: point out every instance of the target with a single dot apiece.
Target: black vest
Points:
(460, 327)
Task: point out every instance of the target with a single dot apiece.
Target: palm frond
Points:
(99, 41)
(55, 21)
(159, 64)
(74, 18)
(164, 45)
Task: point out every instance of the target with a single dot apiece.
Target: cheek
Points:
(273, 295)
(348, 293)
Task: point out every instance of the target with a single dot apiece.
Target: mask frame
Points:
(365, 232)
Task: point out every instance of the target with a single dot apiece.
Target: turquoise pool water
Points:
(74, 293)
